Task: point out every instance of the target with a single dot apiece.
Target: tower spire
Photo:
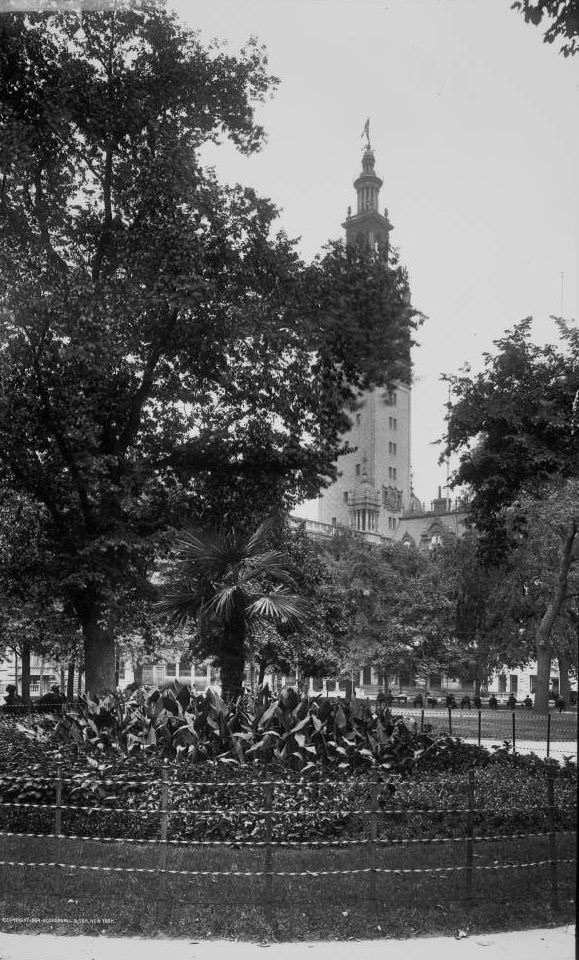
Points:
(366, 133)
(368, 226)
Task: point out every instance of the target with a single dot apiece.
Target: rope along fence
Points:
(370, 844)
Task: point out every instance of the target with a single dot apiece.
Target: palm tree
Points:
(229, 582)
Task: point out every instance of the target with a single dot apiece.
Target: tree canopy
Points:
(515, 427)
(561, 18)
(166, 357)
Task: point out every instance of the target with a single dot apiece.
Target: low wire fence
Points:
(271, 873)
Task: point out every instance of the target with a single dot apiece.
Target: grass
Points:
(64, 900)
(61, 899)
(270, 907)
(499, 724)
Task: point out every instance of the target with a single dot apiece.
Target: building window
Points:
(392, 398)
(404, 678)
(121, 669)
(392, 448)
(357, 469)
(170, 669)
(435, 681)
(533, 682)
(367, 676)
(555, 685)
(514, 683)
(358, 418)
(185, 670)
(503, 683)
(346, 496)
(330, 685)
(394, 423)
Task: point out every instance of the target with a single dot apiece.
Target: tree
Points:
(562, 17)
(166, 358)
(515, 428)
(227, 582)
(315, 647)
(30, 621)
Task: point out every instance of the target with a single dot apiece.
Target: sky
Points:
(473, 121)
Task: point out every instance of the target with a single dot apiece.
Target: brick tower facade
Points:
(373, 484)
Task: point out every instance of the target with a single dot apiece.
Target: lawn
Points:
(499, 724)
(238, 884)
(277, 907)
(507, 800)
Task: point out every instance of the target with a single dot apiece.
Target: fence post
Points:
(548, 730)
(58, 831)
(422, 720)
(479, 725)
(268, 899)
(163, 834)
(470, 836)
(450, 721)
(552, 842)
(372, 835)
(514, 739)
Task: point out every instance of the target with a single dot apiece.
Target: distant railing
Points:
(326, 530)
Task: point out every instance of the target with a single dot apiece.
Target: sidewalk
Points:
(557, 750)
(544, 944)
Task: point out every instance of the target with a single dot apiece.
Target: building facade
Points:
(444, 522)
(373, 485)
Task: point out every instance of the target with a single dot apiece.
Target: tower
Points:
(374, 483)
(368, 225)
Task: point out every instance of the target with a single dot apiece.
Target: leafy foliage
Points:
(515, 428)
(230, 582)
(166, 358)
(100, 775)
(562, 18)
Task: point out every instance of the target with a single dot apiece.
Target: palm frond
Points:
(271, 564)
(280, 607)
(180, 604)
(257, 543)
(225, 602)
(210, 551)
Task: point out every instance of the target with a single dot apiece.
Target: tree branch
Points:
(144, 388)
(52, 424)
(41, 219)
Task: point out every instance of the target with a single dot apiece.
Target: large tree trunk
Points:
(232, 659)
(25, 655)
(548, 620)
(564, 684)
(99, 655)
(543, 679)
(261, 675)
